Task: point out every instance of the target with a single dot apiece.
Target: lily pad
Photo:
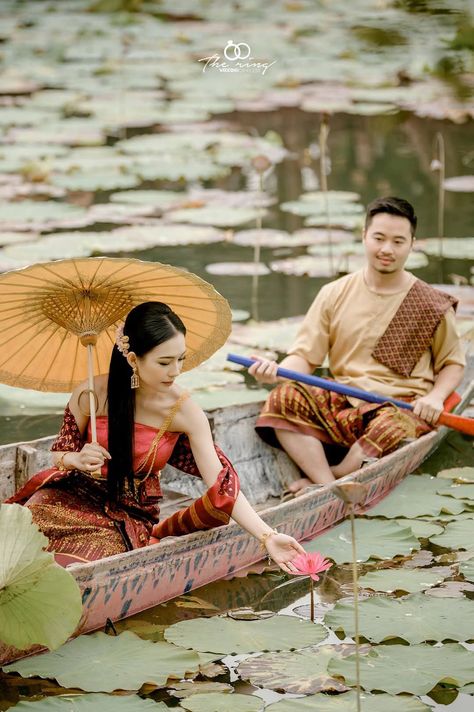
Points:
(374, 539)
(218, 701)
(420, 528)
(161, 234)
(196, 687)
(29, 211)
(226, 636)
(95, 180)
(416, 618)
(306, 265)
(301, 673)
(414, 497)
(456, 248)
(348, 703)
(457, 535)
(219, 217)
(459, 474)
(199, 380)
(464, 492)
(161, 199)
(238, 269)
(92, 703)
(459, 184)
(408, 580)
(273, 335)
(466, 568)
(221, 397)
(103, 663)
(423, 667)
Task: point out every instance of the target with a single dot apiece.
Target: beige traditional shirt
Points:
(346, 320)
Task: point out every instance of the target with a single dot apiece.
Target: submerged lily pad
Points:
(374, 539)
(348, 703)
(92, 703)
(301, 673)
(416, 618)
(457, 535)
(218, 701)
(414, 497)
(423, 667)
(408, 580)
(103, 663)
(227, 636)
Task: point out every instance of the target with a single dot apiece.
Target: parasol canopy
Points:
(50, 311)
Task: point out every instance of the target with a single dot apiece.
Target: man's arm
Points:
(429, 407)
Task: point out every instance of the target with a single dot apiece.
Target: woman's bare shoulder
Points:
(189, 416)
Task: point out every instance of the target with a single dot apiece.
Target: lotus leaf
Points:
(348, 703)
(456, 248)
(11, 238)
(374, 539)
(103, 663)
(415, 497)
(464, 492)
(40, 602)
(457, 535)
(460, 474)
(164, 235)
(158, 199)
(218, 701)
(415, 618)
(177, 168)
(460, 184)
(420, 528)
(468, 689)
(274, 335)
(92, 703)
(27, 211)
(337, 197)
(308, 207)
(196, 687)
(408, 580)
(70, 132)
(466, 568)
(306, 265)
(226, 636)
(219, 217)
(423, 667)
(95, 180)
(345, 222)
(301, 673)
(238, 269)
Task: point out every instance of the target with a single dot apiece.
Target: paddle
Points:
(457, 422)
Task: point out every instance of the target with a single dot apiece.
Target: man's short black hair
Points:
(393, 206)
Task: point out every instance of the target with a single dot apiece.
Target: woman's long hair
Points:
(147, 325)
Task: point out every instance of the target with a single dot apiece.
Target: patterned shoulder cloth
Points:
(69, 437)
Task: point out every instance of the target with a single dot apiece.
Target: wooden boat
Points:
(125, 584)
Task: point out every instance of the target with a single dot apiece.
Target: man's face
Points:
(388, 242)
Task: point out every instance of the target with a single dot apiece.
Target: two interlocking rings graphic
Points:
(236, 51)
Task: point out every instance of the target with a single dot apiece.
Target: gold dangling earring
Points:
(134, 381)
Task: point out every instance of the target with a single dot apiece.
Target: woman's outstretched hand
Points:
(283, 549)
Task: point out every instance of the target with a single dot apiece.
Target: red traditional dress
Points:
(72, 508)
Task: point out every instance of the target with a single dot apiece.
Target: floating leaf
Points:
(408, 580)
(221, 397)
(420, 528)
(161, 199)
(305, 265)
(301, 673)
(375, 539)
(199, 380)
(187, 689)
(457, 535)
(459, 184)
(219, 217)
(456, 248)
(218, 701)
(273, 335)
(415, 618)
(40, 602)
(95, 180)
(414, 497)
(348, 703)
(103, 663)
(161, 234)
(423, 667)
(460, 474)
(92, 703)
(451, 589)
(464, 492)
(466, 568)
(238, 269)
(226, 636)
(27, 211)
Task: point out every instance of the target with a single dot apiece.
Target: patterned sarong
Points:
(328, 416)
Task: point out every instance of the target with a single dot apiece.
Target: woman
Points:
(101, 497)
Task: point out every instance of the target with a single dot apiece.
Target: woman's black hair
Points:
(147, 325)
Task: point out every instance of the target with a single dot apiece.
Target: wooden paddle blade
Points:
(457, 422)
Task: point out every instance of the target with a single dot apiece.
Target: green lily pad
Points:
(456, 248)
(227, 636)
(460, 184)
(28, 211)
(162, 234)
(415, 497)
(306, 265)
(95, 180)
(382, 541)
(161, 199)
(348, 703)
(219, 217)
(416, 618)
(218, 701)
(466, 568)
(457, 535)
(13, 238)
(467, 689)
(420, 528)
(464, 492)
(274, 335)
(92, 703)
(301, 673)
(179, 169)
(423, 667)
(408, 580)
(103, 663)
(460, 474)
(197, 687)
(345, 222)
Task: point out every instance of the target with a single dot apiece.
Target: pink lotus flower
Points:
(312, 564)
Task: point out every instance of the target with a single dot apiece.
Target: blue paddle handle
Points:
(325, 383)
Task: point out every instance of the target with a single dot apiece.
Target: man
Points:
(384, 331)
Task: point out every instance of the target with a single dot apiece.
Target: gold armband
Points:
(60, 466)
